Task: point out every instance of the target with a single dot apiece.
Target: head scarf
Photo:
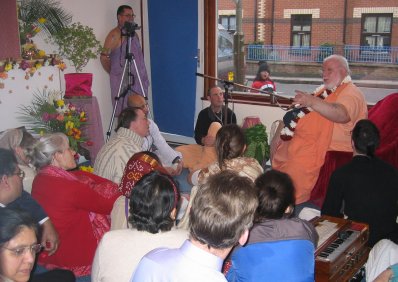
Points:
(139, 165)
(11, 138)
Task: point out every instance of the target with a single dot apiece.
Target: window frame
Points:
(296, 19)
(228, 17)
(366, 34)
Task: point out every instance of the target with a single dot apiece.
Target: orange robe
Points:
(303, 156)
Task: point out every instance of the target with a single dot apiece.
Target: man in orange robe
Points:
(326, 128)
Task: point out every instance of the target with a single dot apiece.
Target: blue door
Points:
(173, 36)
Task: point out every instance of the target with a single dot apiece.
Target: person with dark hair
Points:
(18, 140)
(152, 216)
(280, 247)
(78, 203)
(131, 129)
(262, 81)
(18, 249)
(138, 165)
(114, 57)
(13, 196)
(365, 189)
(220, 218)
(230, 145)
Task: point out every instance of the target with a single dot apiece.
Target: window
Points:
(376, 30)
(228, 22)
(301, 30)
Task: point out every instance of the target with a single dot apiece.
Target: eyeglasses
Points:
(129, 16)
(19, 251)
(20, 173)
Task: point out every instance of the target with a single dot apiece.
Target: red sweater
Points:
(68, 203)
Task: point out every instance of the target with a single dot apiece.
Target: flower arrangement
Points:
(49, 113)
(292, 117)
(30, 66)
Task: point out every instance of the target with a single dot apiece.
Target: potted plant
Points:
(78, 44)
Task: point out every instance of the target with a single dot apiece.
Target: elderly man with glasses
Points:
(12, 195)
(114, 57)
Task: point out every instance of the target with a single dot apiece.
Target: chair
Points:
(288, 260)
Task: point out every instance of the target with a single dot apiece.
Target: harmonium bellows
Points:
(341, 250)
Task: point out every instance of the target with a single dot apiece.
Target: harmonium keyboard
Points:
(341, 250)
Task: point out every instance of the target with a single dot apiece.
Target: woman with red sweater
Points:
(78, 203)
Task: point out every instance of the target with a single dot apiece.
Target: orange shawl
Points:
(303, 156)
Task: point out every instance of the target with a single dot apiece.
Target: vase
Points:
(78, 85)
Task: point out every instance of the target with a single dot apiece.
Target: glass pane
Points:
(296, 40)
(307, 28)
(306, 40)
(369, 24)
(384, 25)
(232, 23)
(224, 22)
(296, 28)
(370, 41)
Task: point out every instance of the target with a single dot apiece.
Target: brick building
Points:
(312, 22)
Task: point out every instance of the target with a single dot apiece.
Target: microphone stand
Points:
(272, 94)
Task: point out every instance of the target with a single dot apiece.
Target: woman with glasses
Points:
(18, 245)
(18, 249)
(78, 203)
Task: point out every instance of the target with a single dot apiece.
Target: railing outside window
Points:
(353, 53)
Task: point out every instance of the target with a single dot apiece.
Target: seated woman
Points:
(18, 249)
(279, 246)
(18, 140)
(230, 145)
(153, 209)
(77, 202)
(138, 165)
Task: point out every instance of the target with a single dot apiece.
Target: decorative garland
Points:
(292, 117)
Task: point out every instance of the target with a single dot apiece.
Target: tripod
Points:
(129, 31)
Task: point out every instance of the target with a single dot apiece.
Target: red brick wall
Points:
(329, 28)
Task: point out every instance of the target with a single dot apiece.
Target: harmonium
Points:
(341, 250)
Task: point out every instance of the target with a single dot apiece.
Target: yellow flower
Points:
(42, 53)
(38, 65)
(62, 66)
(32, 70)
(69, 125)
(82, 114)
(60, 103)
(41, 20)
(41, 132)
(87, 168)
(8, 67)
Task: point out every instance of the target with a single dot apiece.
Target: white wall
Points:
(101, 16)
